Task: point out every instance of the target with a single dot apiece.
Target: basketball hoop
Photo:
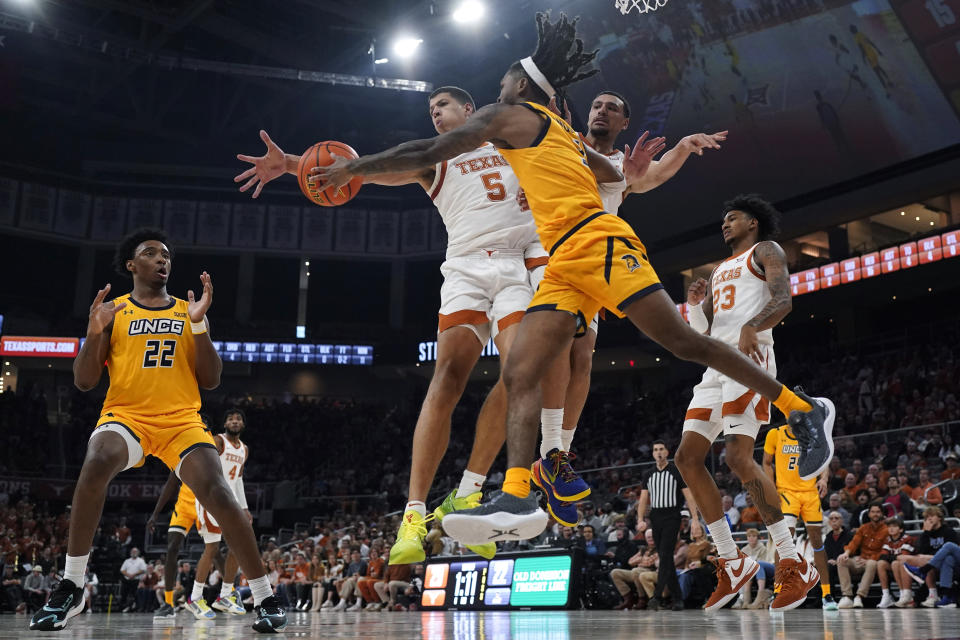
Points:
(642, 6)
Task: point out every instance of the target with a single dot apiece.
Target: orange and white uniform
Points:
(153, 399)
(232, 460)
(596, 260)
(799, 499)
(720, 403)
(491, 241)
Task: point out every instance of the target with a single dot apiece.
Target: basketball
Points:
(320, 155)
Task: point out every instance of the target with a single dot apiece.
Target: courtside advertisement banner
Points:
(37, 347)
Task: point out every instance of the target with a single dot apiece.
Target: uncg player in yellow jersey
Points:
(158, 351)
(182, 519)
(596, 261)
(799, 499)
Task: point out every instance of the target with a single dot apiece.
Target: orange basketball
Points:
(320, 155)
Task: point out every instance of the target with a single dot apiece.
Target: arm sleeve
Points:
(770, 443)
(241, 494)
(698, 319)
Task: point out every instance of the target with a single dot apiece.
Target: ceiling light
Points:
(469, 12)
(918, 218)
(406, 46)
(381, 61)
(903, 213)
(931, 223)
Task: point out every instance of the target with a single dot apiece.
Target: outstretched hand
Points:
(637, 161)
(265, 168)
(697, 142)
(197, 309)
(102, 313)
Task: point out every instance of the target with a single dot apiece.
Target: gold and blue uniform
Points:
(153, 395)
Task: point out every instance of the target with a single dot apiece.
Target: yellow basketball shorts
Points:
(802, 505)
(602, 264)
(169, 436)
(184, 514)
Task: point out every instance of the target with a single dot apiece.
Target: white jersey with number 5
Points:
(740, 291)
(477, 196)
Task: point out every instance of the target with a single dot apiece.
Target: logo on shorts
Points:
(632, 263)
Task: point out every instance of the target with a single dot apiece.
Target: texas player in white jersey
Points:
(566, 387)
(233, 457)
(492, 243)
(747, 295)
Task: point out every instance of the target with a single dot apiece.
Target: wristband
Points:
(198, 327)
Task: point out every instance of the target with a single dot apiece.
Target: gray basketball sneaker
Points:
(504, 517)
(814, 431)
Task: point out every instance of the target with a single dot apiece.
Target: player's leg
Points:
(581, 365)
(491, 429)
(196, 603)
(200, 469)
(458, 349)
(656, 315)
(225, 601)
(542, 337)
(174, 543)
(815, 534)
(108, 453)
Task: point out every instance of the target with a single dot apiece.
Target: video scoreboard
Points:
(294, 352)
(546, 579)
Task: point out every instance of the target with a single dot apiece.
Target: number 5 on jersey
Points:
(154, 357)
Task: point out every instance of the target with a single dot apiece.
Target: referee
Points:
(664, 492)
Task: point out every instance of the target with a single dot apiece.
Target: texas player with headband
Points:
(491, 245)
(566, 386)
(748, 294)
(233, 458)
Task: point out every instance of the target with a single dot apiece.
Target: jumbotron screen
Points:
(509, 581)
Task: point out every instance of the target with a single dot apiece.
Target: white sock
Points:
(470, 483)
(197, 591)
(226, 589)
(723, 538)
(906, 594)
(885, 592)
(261, 589)
(418, 506)
(780, 534)
(551, 424)
(566, 437)
(75, 568)
(933, 593)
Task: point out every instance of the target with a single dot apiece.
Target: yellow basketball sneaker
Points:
(452, 503)
(408, 549)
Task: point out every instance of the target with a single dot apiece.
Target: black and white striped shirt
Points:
(665, 487)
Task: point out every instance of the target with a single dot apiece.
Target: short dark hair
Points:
(559, 56)
(766, 215)
(656, 442)
(127, 247)
(895, 520)
(235, 411)
(460, 95)
(626, 105)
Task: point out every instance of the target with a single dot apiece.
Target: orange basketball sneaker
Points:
(792, 581)
(732, 575)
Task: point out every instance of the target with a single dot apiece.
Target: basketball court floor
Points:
(533, 625)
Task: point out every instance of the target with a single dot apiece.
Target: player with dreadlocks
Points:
(596, 261)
